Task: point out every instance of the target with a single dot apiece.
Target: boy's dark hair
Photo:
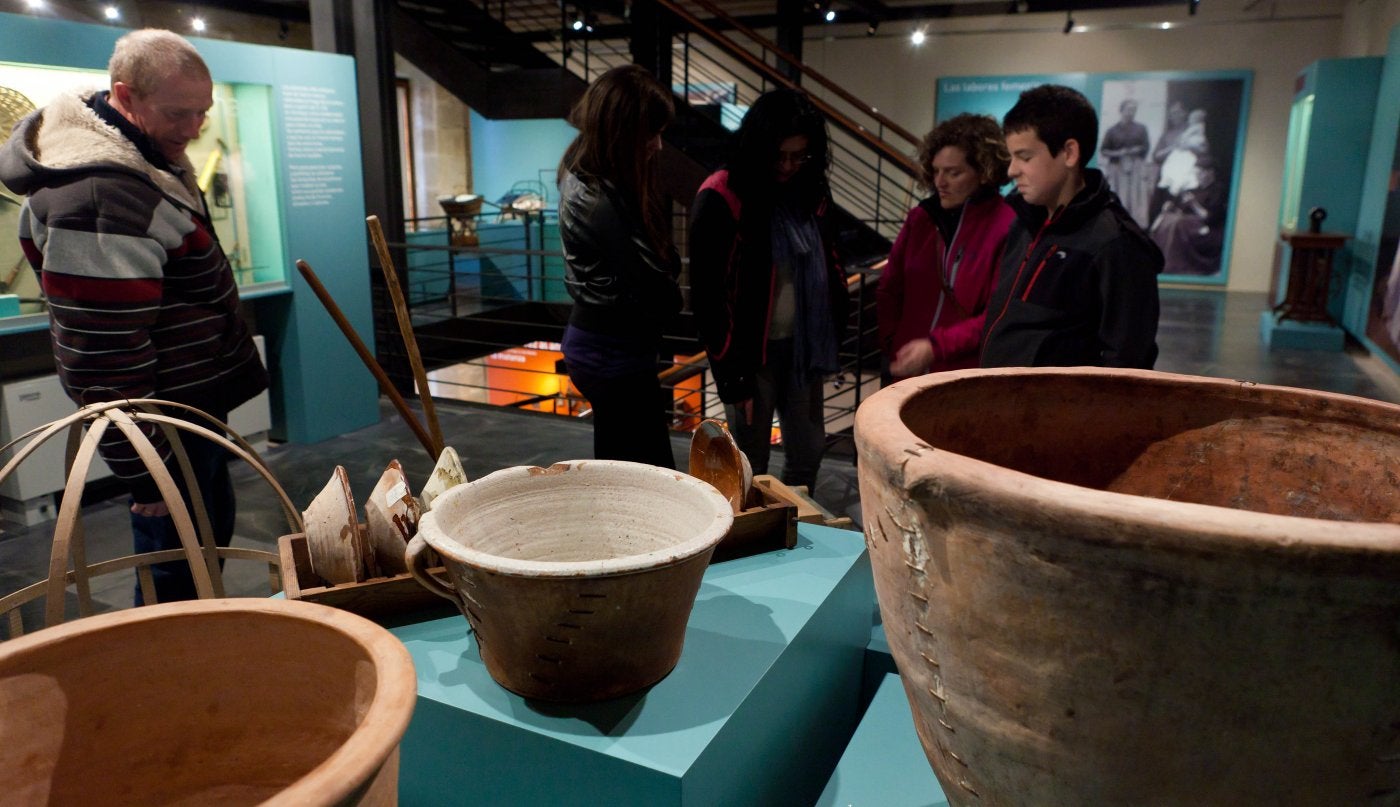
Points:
(773, 118)
(1056, 114)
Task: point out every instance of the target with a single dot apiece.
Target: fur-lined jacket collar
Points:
(68, 137)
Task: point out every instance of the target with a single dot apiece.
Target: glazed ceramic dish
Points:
(1126, 587)
(716, 458)
(225, 702)
(576, 579)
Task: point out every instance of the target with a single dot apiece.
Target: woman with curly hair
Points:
(932, 297)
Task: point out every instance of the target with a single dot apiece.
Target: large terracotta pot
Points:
(1124, 587)
(577, 579)
(223, 702)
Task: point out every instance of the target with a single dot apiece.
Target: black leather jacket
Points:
(620, 284)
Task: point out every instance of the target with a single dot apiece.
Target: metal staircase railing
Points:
(872, 174)
(512, 293)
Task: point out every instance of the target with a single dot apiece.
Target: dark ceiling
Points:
(755, 14)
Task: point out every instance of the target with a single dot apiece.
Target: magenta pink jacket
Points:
(910, 298)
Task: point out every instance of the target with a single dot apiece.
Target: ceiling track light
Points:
(1191, 6)
(918, 36)
(1069, 21)
(111, 13)
(872, 26)
(584, 18)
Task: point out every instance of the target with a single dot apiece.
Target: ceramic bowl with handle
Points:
(577, 579)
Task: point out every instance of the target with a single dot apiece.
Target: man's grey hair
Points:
(144, 59)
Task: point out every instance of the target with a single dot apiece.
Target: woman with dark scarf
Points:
(620, 267)
(933, 292)
(768, 294)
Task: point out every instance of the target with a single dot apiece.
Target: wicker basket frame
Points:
(68, 558)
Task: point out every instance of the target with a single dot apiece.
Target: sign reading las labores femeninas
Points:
(993, 95)
(1014, 84)
(315, 125)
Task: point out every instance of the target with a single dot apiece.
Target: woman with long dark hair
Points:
(767, 290)
(620, 265)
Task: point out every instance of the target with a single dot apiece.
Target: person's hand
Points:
(912, 359)
(745, 410)
(151, 510)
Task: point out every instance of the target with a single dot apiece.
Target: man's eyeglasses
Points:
(177, 115)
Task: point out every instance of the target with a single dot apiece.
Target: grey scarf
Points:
(797, 242)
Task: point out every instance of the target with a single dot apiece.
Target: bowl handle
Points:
(416, 558)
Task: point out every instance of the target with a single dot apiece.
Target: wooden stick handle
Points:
(410, 342)
(365, 356)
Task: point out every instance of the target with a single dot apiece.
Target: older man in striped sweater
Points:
(141, 297)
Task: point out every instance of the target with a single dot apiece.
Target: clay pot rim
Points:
(703, 541)
(1187, 526)
(375, 737)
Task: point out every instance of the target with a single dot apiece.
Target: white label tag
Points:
(395, 494)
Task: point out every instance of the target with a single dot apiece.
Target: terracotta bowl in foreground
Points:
(1126, 587)
(225, 702)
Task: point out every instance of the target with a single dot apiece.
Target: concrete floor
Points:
(1201, 333)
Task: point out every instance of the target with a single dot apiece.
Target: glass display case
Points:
(1328, 126)
(234, 165)
(1295, 158)
(281, 158)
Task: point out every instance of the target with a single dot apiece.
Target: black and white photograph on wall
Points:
(1168, 148)
(1384, 327)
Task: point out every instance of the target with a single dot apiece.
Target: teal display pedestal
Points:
(1285, 334)
(884, 764)
(878, 661)
(521, 261)
(758, 710)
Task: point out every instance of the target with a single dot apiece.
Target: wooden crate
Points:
(768, 524)
(808, 509)
(378, 598)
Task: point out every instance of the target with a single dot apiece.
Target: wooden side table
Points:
(1309, 276)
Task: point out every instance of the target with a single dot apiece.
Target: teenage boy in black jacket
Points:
(1078, 280)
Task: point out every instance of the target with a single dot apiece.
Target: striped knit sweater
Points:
(142, 300)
